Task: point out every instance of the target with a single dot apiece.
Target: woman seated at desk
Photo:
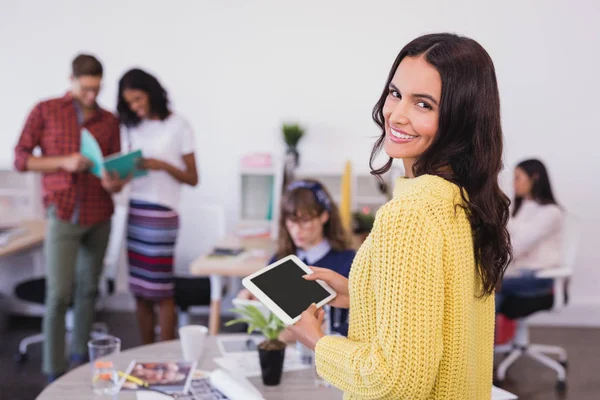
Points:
(311, 228)
(535, 230)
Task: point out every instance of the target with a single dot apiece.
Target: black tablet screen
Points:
(286, 287)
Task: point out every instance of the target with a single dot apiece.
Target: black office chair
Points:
(190, 292)
(34, 291)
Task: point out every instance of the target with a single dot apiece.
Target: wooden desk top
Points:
(76, 385)
(36, 231)
(242, 265)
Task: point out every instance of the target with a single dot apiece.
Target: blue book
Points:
(90, 149)
(125, 164)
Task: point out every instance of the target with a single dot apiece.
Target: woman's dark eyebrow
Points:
(416, 95)
(425, 96)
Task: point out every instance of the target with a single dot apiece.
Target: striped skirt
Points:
(151, 237)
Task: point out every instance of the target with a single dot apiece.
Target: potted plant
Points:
(363, 220)
(292, 133)
(271, 351)
(362, 223)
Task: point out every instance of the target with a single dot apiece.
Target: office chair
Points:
(34, 291)
(193, 292)
(521, 307)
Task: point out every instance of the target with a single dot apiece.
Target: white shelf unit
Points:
(20, 196)
(257, 183)
(364, 190)
(260, 189)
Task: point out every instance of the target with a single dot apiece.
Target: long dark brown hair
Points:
(142, 80)
(467, 149)
(541, 189)
(301, 202)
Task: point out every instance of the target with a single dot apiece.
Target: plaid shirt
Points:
(53, 126)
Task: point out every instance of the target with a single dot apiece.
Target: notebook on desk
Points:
(8, 234)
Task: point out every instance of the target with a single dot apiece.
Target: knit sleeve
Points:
(402, 359)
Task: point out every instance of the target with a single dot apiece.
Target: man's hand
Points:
(112, 183)
(75, 163)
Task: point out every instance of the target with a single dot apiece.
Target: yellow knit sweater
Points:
(417, 328)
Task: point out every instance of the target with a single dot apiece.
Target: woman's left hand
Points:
(152, 163)
(308, 330)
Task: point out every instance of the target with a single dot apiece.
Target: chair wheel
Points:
(21, 357)
(561, 386)
(498, 382)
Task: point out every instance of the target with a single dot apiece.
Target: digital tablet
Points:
(283, 290)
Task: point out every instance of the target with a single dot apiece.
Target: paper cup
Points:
(192, 339)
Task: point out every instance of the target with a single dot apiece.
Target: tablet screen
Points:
(286, 287)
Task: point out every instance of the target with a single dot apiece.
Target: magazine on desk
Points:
(173, 377)
(201, 389)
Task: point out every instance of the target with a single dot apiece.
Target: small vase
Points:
(293, 154)
(271, 365)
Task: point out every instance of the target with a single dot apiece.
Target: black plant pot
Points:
(271, 365)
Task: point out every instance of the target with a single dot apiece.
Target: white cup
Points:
(192, 339)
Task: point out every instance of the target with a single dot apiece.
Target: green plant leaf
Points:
(292, 133)
(245, 312)
(237, 321)
(251, 328)
(271, 326)
(257, 315)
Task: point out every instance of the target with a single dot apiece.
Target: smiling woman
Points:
(411, 114)
(167, 143)
(422, 318)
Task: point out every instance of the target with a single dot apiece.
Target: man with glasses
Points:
(79, 206)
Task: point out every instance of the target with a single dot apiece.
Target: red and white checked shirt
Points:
(53, 126)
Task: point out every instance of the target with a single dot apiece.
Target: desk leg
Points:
(235, 285)
(38, 262)
(216, 292)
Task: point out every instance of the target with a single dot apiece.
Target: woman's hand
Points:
(308, 330)
(287, 336)
(245, 294)
(112, 183)
(338, 282)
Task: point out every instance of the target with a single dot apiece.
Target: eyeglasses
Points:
(300, 222)
(90, 89)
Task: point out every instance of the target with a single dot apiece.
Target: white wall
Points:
(237, 69)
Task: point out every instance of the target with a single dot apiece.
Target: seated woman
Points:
(311, 228)
(535, 230)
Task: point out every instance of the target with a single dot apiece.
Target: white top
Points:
(536, 236)
(167, 140)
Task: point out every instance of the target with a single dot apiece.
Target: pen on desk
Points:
(141, 383)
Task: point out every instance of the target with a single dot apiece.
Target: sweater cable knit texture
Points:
(418, 328)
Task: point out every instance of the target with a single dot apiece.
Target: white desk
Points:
(297, 385)
(76, 385)
(32, 237)
(20, 260)
(240, 266)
